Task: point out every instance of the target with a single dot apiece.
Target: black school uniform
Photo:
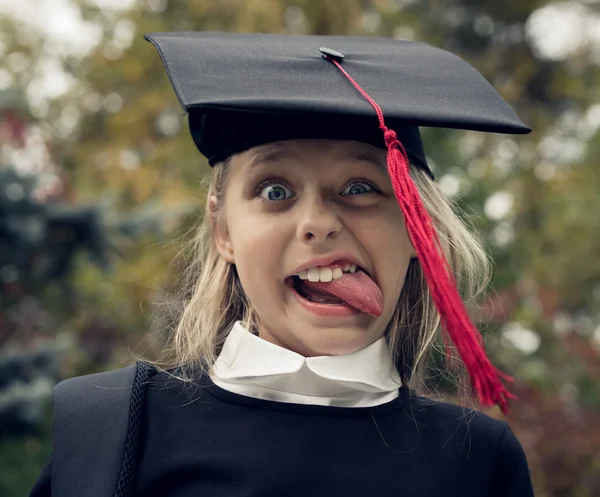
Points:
(201, 439)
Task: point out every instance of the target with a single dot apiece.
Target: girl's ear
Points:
(413, 252)
(220, 231)
(211, 207)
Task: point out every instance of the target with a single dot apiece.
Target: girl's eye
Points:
(274, 192)
(359, 188)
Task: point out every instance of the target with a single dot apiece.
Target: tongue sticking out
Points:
(356, 289)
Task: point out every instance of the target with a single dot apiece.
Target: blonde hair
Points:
(212, 299)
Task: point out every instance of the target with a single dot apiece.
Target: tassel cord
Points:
(485, 378)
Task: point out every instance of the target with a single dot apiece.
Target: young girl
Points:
(326, 266)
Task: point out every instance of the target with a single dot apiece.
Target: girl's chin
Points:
(322, 341)
(314, 337)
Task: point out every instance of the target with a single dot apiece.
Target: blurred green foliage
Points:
(119, 138)
(23, 456)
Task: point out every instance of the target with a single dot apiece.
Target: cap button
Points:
(332, 54)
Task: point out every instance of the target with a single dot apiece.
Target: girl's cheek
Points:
(261, 242)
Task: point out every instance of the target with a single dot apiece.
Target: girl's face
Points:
(303, 203)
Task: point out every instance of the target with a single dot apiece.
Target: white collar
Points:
(251, 366)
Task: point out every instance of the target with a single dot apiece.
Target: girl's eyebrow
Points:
(264, 154)
(368, 156)
(274, 151)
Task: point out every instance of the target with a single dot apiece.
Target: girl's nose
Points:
(318, 222)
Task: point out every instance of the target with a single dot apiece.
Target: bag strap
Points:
(97, 420)
(144, 373)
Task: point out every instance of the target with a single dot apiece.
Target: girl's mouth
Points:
(312, 295)
(316, 302)
(328, 291)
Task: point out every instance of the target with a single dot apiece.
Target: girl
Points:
(326, 266)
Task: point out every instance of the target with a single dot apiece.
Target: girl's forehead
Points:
(320, 151)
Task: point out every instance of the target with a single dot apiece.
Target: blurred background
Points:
(99, 180)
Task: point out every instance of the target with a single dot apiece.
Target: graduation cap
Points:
(245, 90)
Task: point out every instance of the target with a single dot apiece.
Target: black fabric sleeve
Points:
(510, 476)
(41, 488)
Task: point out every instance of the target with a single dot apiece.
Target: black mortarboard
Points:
(244, 90)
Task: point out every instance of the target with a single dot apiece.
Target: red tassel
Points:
(485, 378)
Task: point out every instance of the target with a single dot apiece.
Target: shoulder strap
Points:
(96, 426)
